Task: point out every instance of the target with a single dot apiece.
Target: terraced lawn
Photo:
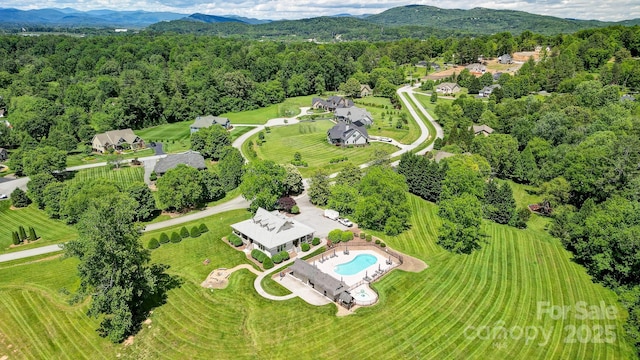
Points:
(123, 176)
(434, 314)
(51, 231)
(310, 139)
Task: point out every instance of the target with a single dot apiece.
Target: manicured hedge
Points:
(195, 232)
(153, 244)
(277, 259)
(305, 247)
(203, 228)
(362, 235)
(368, 237)
(184, 232)
(346, 236)
(315, 241)
(268, 263)
(235, 240)
(164, 238)
(259, 255)
(175, 237)
(284, 255)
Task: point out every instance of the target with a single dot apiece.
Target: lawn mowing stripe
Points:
(25, 325)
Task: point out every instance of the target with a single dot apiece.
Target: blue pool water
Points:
(359, 263)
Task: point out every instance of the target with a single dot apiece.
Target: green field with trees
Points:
(49, 230)
(310, 140)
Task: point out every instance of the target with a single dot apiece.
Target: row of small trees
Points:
(21, 235)
(176, 237)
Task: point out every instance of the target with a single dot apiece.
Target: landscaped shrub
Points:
(153, 176)
(346, 236)
(284, 255)
(277, 259)
(295, 209)
(367, 237)
(164, 238)
(305, 247)
(315, 241)
(19, 198)
(203, 228)
(362, 235)
(335, 235)
(383, 244)
(153, 244)
(235, 240)
(195, 232)
(268, 263)
(32, 234)
(16, 238)
(175, 237)
(286, 203)
(338, 159)
(22, 233)
(184, 232)
(378, 241)
(259, 255)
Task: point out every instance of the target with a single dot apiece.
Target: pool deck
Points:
(329, 263)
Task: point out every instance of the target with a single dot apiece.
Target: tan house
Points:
(116, 140)
(365, 90)
(448, 88)
(482, 130)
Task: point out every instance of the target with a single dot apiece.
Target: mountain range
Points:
(410, 19)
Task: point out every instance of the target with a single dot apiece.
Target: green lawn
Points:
(83, 159)
(310, 139)
(123, 176)
(50, 231)
(387, 126)
(420, 315)
(288, 108)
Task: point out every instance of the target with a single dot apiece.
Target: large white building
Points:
(272, 232)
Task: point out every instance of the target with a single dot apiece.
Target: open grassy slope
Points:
(310, 139)
(123, 176)
(387, 126)
(50, 231)
(420, 315)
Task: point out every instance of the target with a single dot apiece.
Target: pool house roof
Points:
(319, 278)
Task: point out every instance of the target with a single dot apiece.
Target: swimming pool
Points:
(359, 263)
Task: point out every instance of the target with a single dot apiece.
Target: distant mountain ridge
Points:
(75, 18)
(403, 21)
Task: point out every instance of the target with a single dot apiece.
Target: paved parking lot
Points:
(312, 216)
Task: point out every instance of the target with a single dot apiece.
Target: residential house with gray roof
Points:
(272, 232)
(189, 158)
(202, 122)
(332, 103)
(354, 115)
(343, 134)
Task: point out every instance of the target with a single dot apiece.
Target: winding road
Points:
(238, 202)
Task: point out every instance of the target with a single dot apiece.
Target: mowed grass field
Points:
(433, 314)
(386, 126)
(50, 231)
(123, 176)
(310, 139)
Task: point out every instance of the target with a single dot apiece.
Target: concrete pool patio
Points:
(363, 294)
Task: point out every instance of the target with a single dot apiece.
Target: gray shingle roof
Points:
(343, 131)
(353, 114)
(207, 121)
(189, 158)
(319, 278)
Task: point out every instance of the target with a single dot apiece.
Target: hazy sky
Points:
(296, 9)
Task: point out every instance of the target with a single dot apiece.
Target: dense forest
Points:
(580, 145)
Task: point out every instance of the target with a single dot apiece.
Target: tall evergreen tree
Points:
(526, 169)
(16, 238)
(32, 234)
(498, 203)
(23, 233)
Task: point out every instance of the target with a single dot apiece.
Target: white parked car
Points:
(345, 222)
(385, 139)
(3, 196)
